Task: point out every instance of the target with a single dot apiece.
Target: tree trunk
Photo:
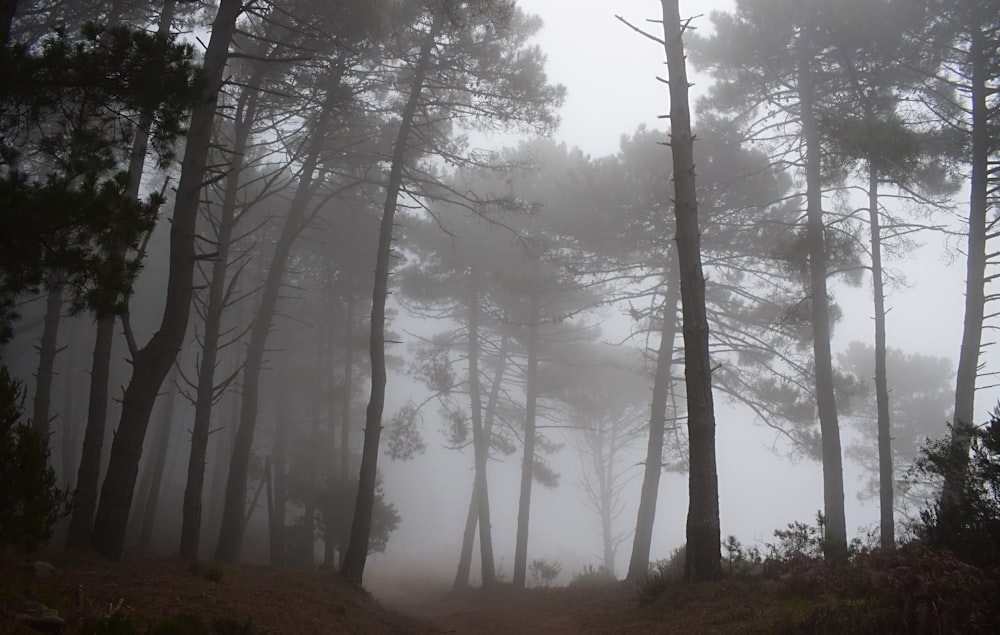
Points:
(157, 467)
(231, 533)
(480, 443)
(277, 526)
(835, 543)
(356, 553)
(638, 565)
(975, 276)
(528, 460)
(216, 304)
(884, 424)
(151, 363)
(70, 428)
(345, 406)
(703, 559)
(85, 497)
(47, 351)
(472, 519)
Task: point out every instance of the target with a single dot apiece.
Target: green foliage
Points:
(68, 115)
(661, 574)
(741, 560)
(798, 540)
(968, 524)
(29, 498)
(592, 576)
(337, 513)
(543, 572)
(403, 437)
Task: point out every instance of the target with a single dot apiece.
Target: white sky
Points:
(609, 72)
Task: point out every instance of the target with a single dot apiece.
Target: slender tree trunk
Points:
(47, 351)
(528, 461)
(703, 556)
(85, 498)
(70, 421)
(216, 304)
(345, 406)
(277, 532)
(975, 275)
(356, 553)
(639, 562)
(472, 519)
(231, 533)
(603, 469)
(835, 544)
(151, 363)
(480, 443)
(884, 424)
(157, 466)
(312, 489)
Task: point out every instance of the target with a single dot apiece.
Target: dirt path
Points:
(608, 609)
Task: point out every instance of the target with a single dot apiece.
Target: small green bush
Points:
(969, 525)
(29, 498)
(661, 574)
(543, 572)
(592, 576)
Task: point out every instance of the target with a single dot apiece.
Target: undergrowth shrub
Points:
(592, 576)
(543, 572)
(30, 501)
(660, 575)
(969, 525)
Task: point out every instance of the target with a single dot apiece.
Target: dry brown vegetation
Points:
(911, 590)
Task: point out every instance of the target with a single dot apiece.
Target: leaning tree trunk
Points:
(218, 297)
(638, 565)
(528, 460)
(276, 527)
(47, 351)
(703, 559)
(151, 363)
(473, 517)
(157, 468)
(884, 423)
(975, 276)
(231, 533)
(356, 553)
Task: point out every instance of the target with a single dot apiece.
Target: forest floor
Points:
(170, 597)
(258, 600)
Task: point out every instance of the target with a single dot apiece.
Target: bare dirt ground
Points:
(302, 603)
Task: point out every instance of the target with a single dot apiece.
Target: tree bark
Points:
(975, 275)
(884, 423)
(276, 533)
(472, 519)
(835, 543)
(703, 559)
(638, 565)
(356, 553)
(230, 543)
(480, 443)
(157, 467)
(528, 460)
(151, 363)
(47, 351)
(345, 406)
(217, 299)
